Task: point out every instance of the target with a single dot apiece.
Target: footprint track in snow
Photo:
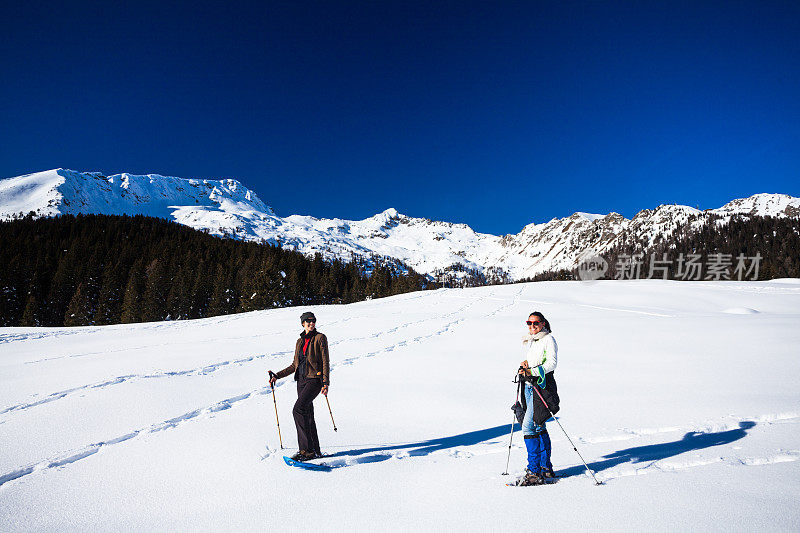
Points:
(174, 326)
(91, 449)
(671, 465)
(212, 367)
(203, 370)
(710, 427)
(87, 451)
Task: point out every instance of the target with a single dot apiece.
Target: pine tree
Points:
(64, 285)
(132, 301)
(154, 299)
(222, 298)
(108, 299)
(261, 290)
(201, 291)
(12, 292)
(179, 299)
(79, 309)
(30, 317)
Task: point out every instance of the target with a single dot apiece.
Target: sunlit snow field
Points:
(683, 397)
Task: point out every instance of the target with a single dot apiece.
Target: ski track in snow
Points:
(602, 308)
(173, 327)
(89, 450)
(490, 446)
(628, 434)
(620, 310)
(201, 371)
(213, 367)
(667, 465)
(144, 347)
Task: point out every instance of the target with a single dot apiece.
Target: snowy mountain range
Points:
(228, 208)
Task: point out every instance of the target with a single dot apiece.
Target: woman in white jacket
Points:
(537, 371)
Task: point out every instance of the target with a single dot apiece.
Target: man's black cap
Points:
(307, 316)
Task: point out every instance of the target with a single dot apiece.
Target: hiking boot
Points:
(548, 473)
(530, 479)
(303, 455)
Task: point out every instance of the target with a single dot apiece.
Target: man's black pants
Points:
(307, 390)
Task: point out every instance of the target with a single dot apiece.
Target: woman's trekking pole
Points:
(331, 412)
(271, 374)
(565, 434)
(513, 421)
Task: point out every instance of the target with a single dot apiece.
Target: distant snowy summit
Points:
(227, 208)
(775, 205)
(62, 191)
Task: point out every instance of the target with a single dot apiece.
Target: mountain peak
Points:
(65, 191)
(385, 216)
(225, 207)
(591, 217)
(763, 204)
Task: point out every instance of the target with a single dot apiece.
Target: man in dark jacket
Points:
(311, 368)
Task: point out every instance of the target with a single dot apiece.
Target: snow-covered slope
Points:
(681, 396)
(198, 203)
(227, 208)
(62, 191)
(776, 205)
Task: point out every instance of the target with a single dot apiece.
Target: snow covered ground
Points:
(683, 397)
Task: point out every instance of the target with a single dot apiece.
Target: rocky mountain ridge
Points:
(441, 249)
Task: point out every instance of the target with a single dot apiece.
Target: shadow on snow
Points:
(692, 441)
(424, 447)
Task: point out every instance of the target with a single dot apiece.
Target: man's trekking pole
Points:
(565, 434)
(331, 412)
(271, 375)
(513, 421)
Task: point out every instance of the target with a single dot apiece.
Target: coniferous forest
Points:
(775, 240)
(98, 269)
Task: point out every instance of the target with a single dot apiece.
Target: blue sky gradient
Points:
(495, 114)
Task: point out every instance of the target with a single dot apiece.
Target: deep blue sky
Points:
(496, 114)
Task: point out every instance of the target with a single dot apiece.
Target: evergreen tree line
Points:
(99, 269)
(459, 276)
(775, 240)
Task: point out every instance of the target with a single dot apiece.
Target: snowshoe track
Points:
(89, 450)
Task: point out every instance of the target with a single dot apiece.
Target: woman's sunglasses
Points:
(534, 323)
